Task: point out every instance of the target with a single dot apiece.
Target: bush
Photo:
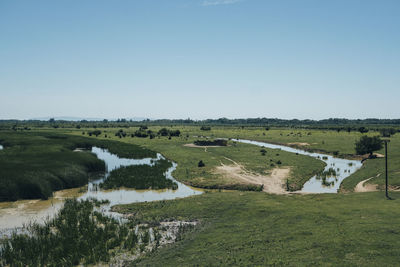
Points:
(95, 132)
(205, 128)
(387, 132)
(120, 133)
(141, 133)
(217, 142)
(166, 132)
(363, 130)
(367, 145)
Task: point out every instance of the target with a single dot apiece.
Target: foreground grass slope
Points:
(247, 228)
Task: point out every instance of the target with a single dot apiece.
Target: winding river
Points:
(342, 167)
(14, 215)
(125, 196)
(19, 213)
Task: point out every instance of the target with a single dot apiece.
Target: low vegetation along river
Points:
(19, 213)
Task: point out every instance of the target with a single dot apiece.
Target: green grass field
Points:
(257, 229)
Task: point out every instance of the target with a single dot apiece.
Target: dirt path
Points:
(273, 183)
(205, 147)
(363, 187)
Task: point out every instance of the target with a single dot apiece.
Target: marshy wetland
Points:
(157, 173)
(145, 188)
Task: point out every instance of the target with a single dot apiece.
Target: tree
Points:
(367, 145)
(363, 130)
(96, 132)
(387, 132)
(163, 132)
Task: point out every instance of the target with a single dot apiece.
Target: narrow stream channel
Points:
(342, 167)
(125, 196)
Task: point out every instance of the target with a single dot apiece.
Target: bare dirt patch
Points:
(273, 183)
(298, 144)
(364, 187)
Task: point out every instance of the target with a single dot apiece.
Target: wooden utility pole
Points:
(386, 141)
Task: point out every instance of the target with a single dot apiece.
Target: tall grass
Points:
(79, 234)
(141, 177)
(34, 164)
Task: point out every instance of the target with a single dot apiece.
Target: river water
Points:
(342, 167)
(19, 213)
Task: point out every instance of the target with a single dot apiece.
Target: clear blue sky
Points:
(200, 58)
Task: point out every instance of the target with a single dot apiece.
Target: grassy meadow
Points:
(249, 228)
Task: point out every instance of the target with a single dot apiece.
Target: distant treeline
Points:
(333, 123)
